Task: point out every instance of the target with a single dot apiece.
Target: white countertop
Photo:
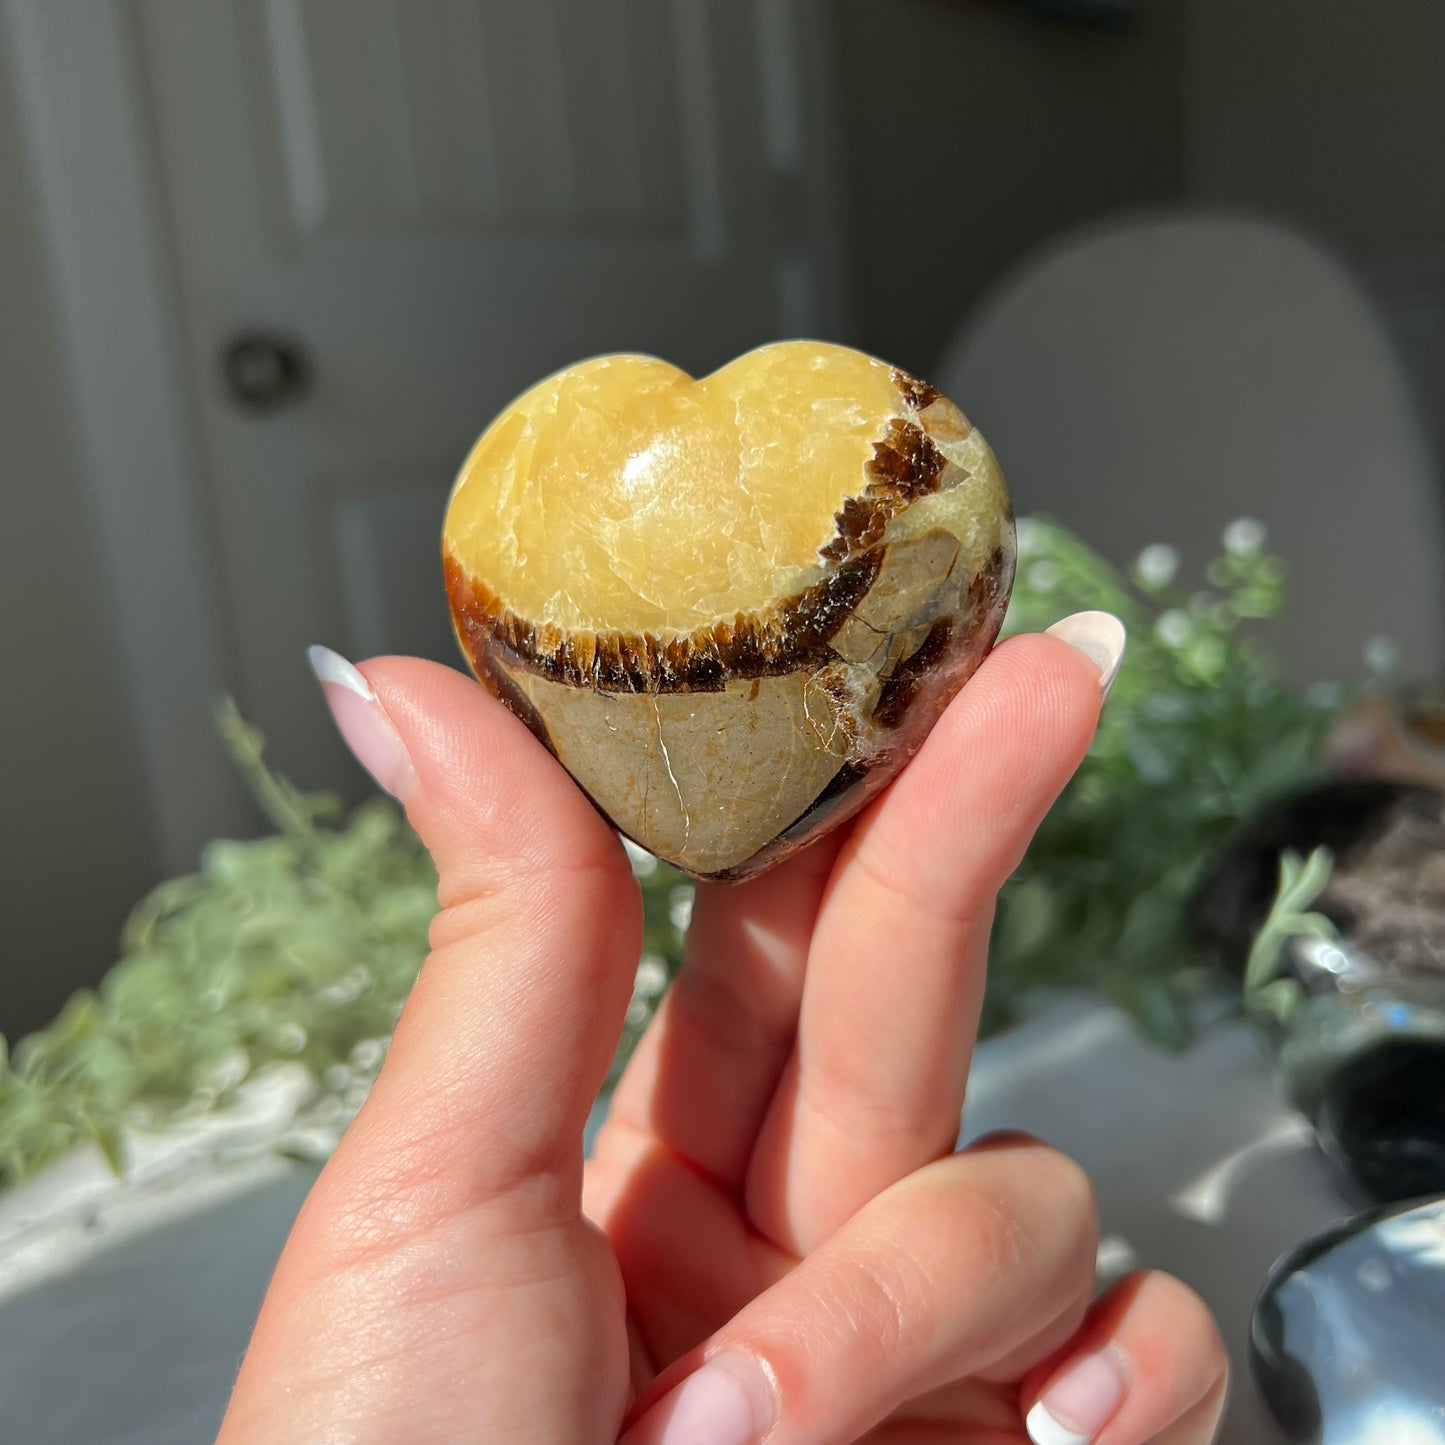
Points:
(124, 1311)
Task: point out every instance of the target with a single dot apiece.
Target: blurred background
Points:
(270, 267)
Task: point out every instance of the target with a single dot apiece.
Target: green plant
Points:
(1200, 731)
(298, 946)
(302, 945)
(1271, 997)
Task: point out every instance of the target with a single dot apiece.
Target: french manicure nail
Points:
(1100, 636)
(727, 1402)
(1081, 1401)
(363, 723)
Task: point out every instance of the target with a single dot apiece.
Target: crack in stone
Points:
(676, 787)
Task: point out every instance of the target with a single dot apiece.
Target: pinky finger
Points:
(1147, 1365)
(1199, 1425)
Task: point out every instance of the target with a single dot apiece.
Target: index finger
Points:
(895, 972)
(508, 1031)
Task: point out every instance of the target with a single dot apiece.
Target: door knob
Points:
(265, 371)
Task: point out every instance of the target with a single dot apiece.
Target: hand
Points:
(775, 1241)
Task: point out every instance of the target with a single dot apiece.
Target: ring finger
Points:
(1148, 1365)
(701, 1078)
(1145, 1367)
(951, 1271)
(895, 973)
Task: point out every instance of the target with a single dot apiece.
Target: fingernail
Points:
(362, 723)
(1100, 636)
(729, 1401)
(1078, 1404)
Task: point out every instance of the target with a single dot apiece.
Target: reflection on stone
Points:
(1348, 1338)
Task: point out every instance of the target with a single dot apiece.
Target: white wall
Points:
(974, 132)
(1332, 116)
(1328, 114)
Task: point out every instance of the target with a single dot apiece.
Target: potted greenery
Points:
(297, 949)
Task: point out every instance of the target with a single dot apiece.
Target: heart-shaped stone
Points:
(731, 607)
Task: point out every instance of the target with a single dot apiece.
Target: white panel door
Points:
(422, 206)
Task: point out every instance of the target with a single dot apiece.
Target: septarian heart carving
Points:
(732, 607)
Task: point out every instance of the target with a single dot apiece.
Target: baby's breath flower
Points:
(679, 906)
(1381, 655)
(368, 1054)
(1174, 628)
(344, 990)
(290, 1038)
(1044, 576)
(651, 976)
(644, 865)
(1156, 565)
(1244, 536)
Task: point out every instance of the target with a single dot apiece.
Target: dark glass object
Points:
(1382, 1118)
(1347, 1344)
(1363, 1052)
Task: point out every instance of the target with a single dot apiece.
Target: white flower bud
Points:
(1244, 536)
(1381, 655)
(1174, 628)
(1157, 565)
(1044, 576)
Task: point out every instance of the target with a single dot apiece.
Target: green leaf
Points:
(1301, 881)
(106, 1134)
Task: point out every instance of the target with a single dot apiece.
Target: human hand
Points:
(775, 1241)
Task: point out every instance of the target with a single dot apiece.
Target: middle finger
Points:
(701, 1078)
(895, 974)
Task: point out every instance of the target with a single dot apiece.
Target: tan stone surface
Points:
(702, 779)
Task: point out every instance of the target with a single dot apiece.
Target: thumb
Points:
(511, 1025)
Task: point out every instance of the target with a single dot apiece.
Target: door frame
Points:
(81, 81)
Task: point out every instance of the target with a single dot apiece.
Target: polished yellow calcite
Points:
(731, 607)
(622, 495)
